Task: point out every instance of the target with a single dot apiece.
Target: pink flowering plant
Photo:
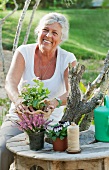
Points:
(34, 119)
(33, 123)
(59, 130)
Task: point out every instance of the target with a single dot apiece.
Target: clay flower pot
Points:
(60, 145)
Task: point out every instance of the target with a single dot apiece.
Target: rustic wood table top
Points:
(90, 150)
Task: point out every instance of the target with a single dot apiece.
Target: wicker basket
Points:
(28, 112)
(46, 114)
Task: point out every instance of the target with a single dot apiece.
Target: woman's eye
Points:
(45, 29)
(55, 33)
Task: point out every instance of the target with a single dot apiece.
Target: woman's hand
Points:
(20, 107)
(51, 104)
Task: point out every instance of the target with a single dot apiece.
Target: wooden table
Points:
(93, 156)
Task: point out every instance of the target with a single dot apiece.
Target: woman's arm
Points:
(13, 77)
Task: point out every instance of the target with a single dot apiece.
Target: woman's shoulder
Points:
(66, 54)
(27, 46)
(27, 50)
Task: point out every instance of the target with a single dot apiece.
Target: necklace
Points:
(43, 70)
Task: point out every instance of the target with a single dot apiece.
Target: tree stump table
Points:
(93, 155)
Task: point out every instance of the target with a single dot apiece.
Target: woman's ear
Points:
(60, 42)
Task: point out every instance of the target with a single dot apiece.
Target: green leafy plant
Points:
(34, 96)
(59, 130)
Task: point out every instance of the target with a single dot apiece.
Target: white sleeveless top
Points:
(55, 84)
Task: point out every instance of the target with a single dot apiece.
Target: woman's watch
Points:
(59, 102)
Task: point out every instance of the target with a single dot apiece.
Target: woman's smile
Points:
(47, 41)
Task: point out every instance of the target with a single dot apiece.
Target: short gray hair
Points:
(52, 18)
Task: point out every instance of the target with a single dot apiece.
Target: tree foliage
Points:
(82, 4)
(46, 4)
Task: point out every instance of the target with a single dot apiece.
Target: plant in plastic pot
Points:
(35, 126)
(34, 119)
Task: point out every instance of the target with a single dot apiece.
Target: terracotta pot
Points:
(60, 145)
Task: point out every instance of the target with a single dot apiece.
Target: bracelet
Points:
(59, 101)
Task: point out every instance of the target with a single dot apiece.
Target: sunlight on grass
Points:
(88, 36)
(86, 48)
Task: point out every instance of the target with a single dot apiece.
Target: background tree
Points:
(2, 21)
(105, 3)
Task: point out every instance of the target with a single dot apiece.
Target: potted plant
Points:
(34, 122)
(58, 135)
(35, 96)
(35, 126)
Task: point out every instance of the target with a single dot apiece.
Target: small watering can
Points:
(101, 120)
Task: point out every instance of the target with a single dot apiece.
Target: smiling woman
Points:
(44, 60)
(49, 37)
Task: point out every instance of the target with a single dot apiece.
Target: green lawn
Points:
(88, 37)
(89, 31)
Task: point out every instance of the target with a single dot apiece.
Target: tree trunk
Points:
(19, 27)
(2, 21)
(78, 104)
(30, 23)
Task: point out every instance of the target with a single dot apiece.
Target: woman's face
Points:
(49, 37)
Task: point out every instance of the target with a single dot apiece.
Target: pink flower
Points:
(33, 123)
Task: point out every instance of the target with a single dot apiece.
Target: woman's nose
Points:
(49, 34)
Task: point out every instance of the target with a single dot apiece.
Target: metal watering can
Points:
(101, 120)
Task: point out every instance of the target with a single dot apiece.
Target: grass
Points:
(4, 108)
(92, 69)
(88, 37)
